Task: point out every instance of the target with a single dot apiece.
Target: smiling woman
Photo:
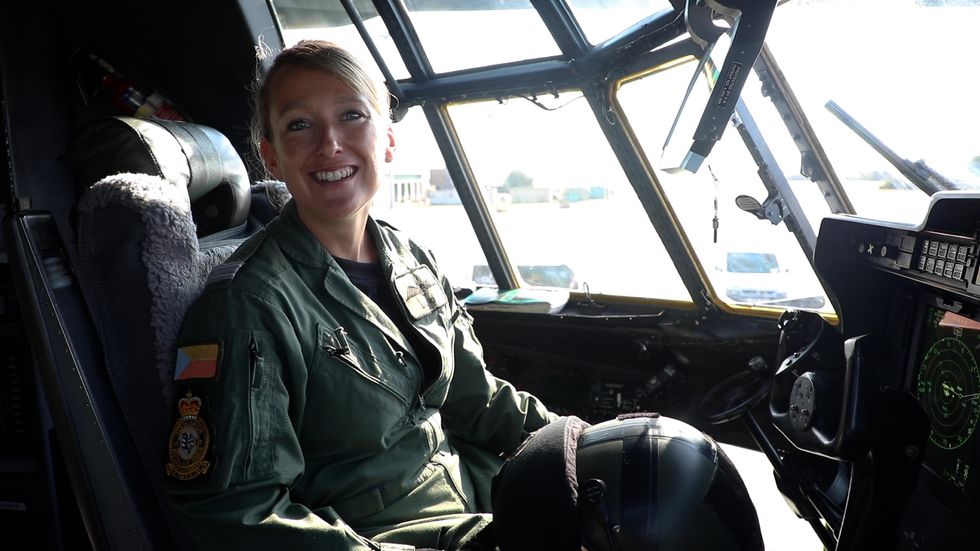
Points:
(370, 417)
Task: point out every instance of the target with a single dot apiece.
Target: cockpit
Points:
(760, 218)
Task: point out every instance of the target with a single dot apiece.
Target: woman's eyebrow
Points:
(307, 104)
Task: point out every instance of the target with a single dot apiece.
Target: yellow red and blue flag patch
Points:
(199, 361)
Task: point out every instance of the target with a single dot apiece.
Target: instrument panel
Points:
(917, 288)
(940, 260)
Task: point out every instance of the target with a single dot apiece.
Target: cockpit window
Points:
(315, 19)
(422, 200)
(563, 205)
(477, 33)
(898, 69)
(453, 35)
(704, 202)
(603, 19)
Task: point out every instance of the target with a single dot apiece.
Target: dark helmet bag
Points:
(638, 482)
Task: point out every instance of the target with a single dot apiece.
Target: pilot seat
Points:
(162, 203)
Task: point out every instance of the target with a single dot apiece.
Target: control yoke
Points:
(824, 394)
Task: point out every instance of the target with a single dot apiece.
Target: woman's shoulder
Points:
(238, 292)
(250, 269)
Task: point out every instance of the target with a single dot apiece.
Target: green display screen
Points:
(948, 388)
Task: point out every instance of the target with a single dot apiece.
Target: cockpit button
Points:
(933, 248)
(958, 271)
(943, 247)
(951, 253)
(940, 266)
(930, 264)
(907, 243)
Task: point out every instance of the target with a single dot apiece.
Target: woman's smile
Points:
(334, 175)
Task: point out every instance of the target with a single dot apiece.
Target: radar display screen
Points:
(948, 389)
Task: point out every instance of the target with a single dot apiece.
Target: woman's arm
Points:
(233, 451)
(480, 408)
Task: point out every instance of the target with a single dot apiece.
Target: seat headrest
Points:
(191, 155)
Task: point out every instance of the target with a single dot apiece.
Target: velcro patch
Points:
(189, 441)
(420, 291)
(199, 361)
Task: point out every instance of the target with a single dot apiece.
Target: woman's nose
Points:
(329, 141)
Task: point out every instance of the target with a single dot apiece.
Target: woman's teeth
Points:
(333, 175)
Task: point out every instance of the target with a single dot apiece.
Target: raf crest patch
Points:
(199, 361)
(420, 291)
(189, 441)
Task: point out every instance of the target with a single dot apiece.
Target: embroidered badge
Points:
(420, 291)
(189, 441)
(197, 362)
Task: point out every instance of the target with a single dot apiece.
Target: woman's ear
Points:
(270, 158)
(390, 149)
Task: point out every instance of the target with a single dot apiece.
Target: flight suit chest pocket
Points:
(335, 346)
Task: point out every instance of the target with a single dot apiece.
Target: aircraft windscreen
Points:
(900, 68)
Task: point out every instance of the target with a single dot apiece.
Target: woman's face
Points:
(327, 143)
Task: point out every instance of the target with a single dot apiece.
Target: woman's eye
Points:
(353, 115)
(298, 125)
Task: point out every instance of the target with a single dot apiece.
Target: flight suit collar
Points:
(299, 244)
(296, 240)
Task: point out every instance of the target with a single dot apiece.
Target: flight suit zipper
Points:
(418, 418)
(416, 412)
(401, 309)
(343, 346)
(419, 410)
(254, 356)
(255, 380)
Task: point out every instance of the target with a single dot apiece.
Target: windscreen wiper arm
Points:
(919, 173)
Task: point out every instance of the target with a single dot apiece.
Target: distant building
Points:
(443, 192)
(440, 179)
(407, 188)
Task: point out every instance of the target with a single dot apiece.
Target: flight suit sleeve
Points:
(233, 450)
(480, 408)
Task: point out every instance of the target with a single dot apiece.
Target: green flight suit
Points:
(302, 418)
